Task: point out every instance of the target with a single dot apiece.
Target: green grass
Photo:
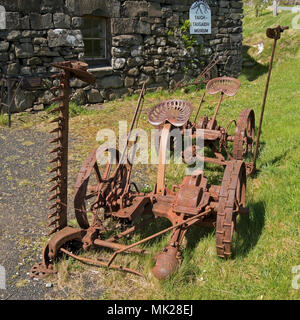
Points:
(267, 243)
(74, 110)
(3, 120)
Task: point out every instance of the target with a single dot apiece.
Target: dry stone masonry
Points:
(142, 39)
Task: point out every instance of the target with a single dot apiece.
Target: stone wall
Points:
(144, 44)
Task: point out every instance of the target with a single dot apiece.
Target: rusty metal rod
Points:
(264, 104)
(136, 114)
(130, 230)
(99, 263)
(212, 121)
(10, 102)
(163, 147)
(157, 235)
(197, 114)
(121, 235)
(117, 246)
(276, 37)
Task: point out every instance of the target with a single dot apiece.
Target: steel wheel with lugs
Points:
(245, 134)
(232, 197)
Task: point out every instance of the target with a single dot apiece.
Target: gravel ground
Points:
(23, 210)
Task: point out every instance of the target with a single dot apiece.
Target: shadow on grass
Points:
(273, 162)
(255, 69)
(153, 227)
(194, 236)
(276, 160)
(249, 229)
(248, 232)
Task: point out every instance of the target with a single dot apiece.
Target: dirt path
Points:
(23, 202)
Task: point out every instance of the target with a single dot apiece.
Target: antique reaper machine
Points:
(217, 138)
(108, 205)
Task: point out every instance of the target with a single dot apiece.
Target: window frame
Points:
(100, 61)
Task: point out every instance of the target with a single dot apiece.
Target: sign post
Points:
(275, 8)
(200, 18)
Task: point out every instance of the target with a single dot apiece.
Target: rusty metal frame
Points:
(202, 78)
(194, 202)
(275, 34)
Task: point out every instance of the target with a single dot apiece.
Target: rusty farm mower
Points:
(217, 138)
(108, 204)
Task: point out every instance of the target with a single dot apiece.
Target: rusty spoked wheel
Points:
(245, 134)
(232, 196)
(94, 184)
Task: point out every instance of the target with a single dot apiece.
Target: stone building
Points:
(125, 42)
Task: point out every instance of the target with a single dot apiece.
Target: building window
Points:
(95, 37)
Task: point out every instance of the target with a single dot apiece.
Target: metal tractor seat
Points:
(177, 112)
(225, 85)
